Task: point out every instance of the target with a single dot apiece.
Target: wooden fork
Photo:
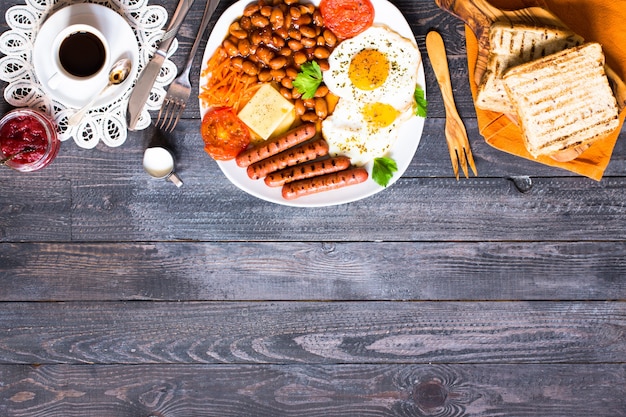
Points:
(456, 135)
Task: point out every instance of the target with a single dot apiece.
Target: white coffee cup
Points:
(80, 54)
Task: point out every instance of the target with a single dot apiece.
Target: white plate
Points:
(122, 44)
(402, 152)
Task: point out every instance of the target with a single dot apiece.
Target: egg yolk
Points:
(379, 115)
(368, 69)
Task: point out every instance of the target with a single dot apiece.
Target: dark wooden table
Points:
(124, 296)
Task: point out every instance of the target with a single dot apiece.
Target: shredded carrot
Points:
(226, 85)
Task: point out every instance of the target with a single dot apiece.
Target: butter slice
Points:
(266, 111)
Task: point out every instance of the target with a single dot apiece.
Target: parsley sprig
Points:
(383, 170)
(308, 79)
(422, 104)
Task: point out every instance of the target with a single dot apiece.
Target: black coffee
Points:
(82, 54)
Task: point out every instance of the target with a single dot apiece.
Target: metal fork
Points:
(179, 91)
(456, 135)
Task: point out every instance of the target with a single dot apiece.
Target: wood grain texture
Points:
(122, 202)
(319, 390)
(121, 296)
(226, 271)
(313, 332)
(557, 209)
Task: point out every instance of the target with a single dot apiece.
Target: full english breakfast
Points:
(317, 91)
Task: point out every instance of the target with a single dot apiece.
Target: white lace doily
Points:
(106, 123)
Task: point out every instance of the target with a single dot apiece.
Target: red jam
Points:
(29, 135)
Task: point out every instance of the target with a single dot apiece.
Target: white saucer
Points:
(122, 44)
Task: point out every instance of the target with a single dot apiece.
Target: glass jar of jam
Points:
(28, 138)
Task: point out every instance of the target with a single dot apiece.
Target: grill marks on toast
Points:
(563, 100)
(511, 45)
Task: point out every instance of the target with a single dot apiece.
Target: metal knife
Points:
(148, 75)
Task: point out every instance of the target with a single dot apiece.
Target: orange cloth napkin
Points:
(595, 20)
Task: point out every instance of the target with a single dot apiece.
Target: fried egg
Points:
(374, 74)
(363, 133)
(378, 65)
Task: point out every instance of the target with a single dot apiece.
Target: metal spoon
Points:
(118, 73)
(25, 149)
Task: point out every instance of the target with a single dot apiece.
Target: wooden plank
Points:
(221, 271)
(312, 332)
(296, 390)
(208, 207)
(34, 206)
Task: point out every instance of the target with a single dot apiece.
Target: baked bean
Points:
(295, 34)
(329, 37)
(250, 68)
(287, 83)
(278, 62)
(309, 116)
(299, 106)
(239, 34)
(278, 74)
(321, 91)
(285, 92)
(307, 8)
(253, 48)
(255, 38)
(244, 47)
(309, 42)
(277, 41)
(294, 45)
(237, 62)
(323, 63)
(309, 103)
(236, 31)
(290, 2)
(321, 41)
(277, 18)
(230, 48)
(245, 23)
(287, 19)
(259, 20)
(264, 54)
(321, 52)
(266, 11)
(265, 76)
(282, 32)
(251, 9)
(266, 35)
(291, 72)
(285, 51)
(295, 94)
(251, 79)
(295, 12)
(304, 19)
(299, 58)
(307, 31)
(317, 18)
(321, 108)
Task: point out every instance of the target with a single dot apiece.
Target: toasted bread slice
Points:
(563, 100)
(514, 44)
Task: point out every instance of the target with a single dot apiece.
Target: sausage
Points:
(326, 182)
(307, 170)
(306, 151)
(278, 144)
